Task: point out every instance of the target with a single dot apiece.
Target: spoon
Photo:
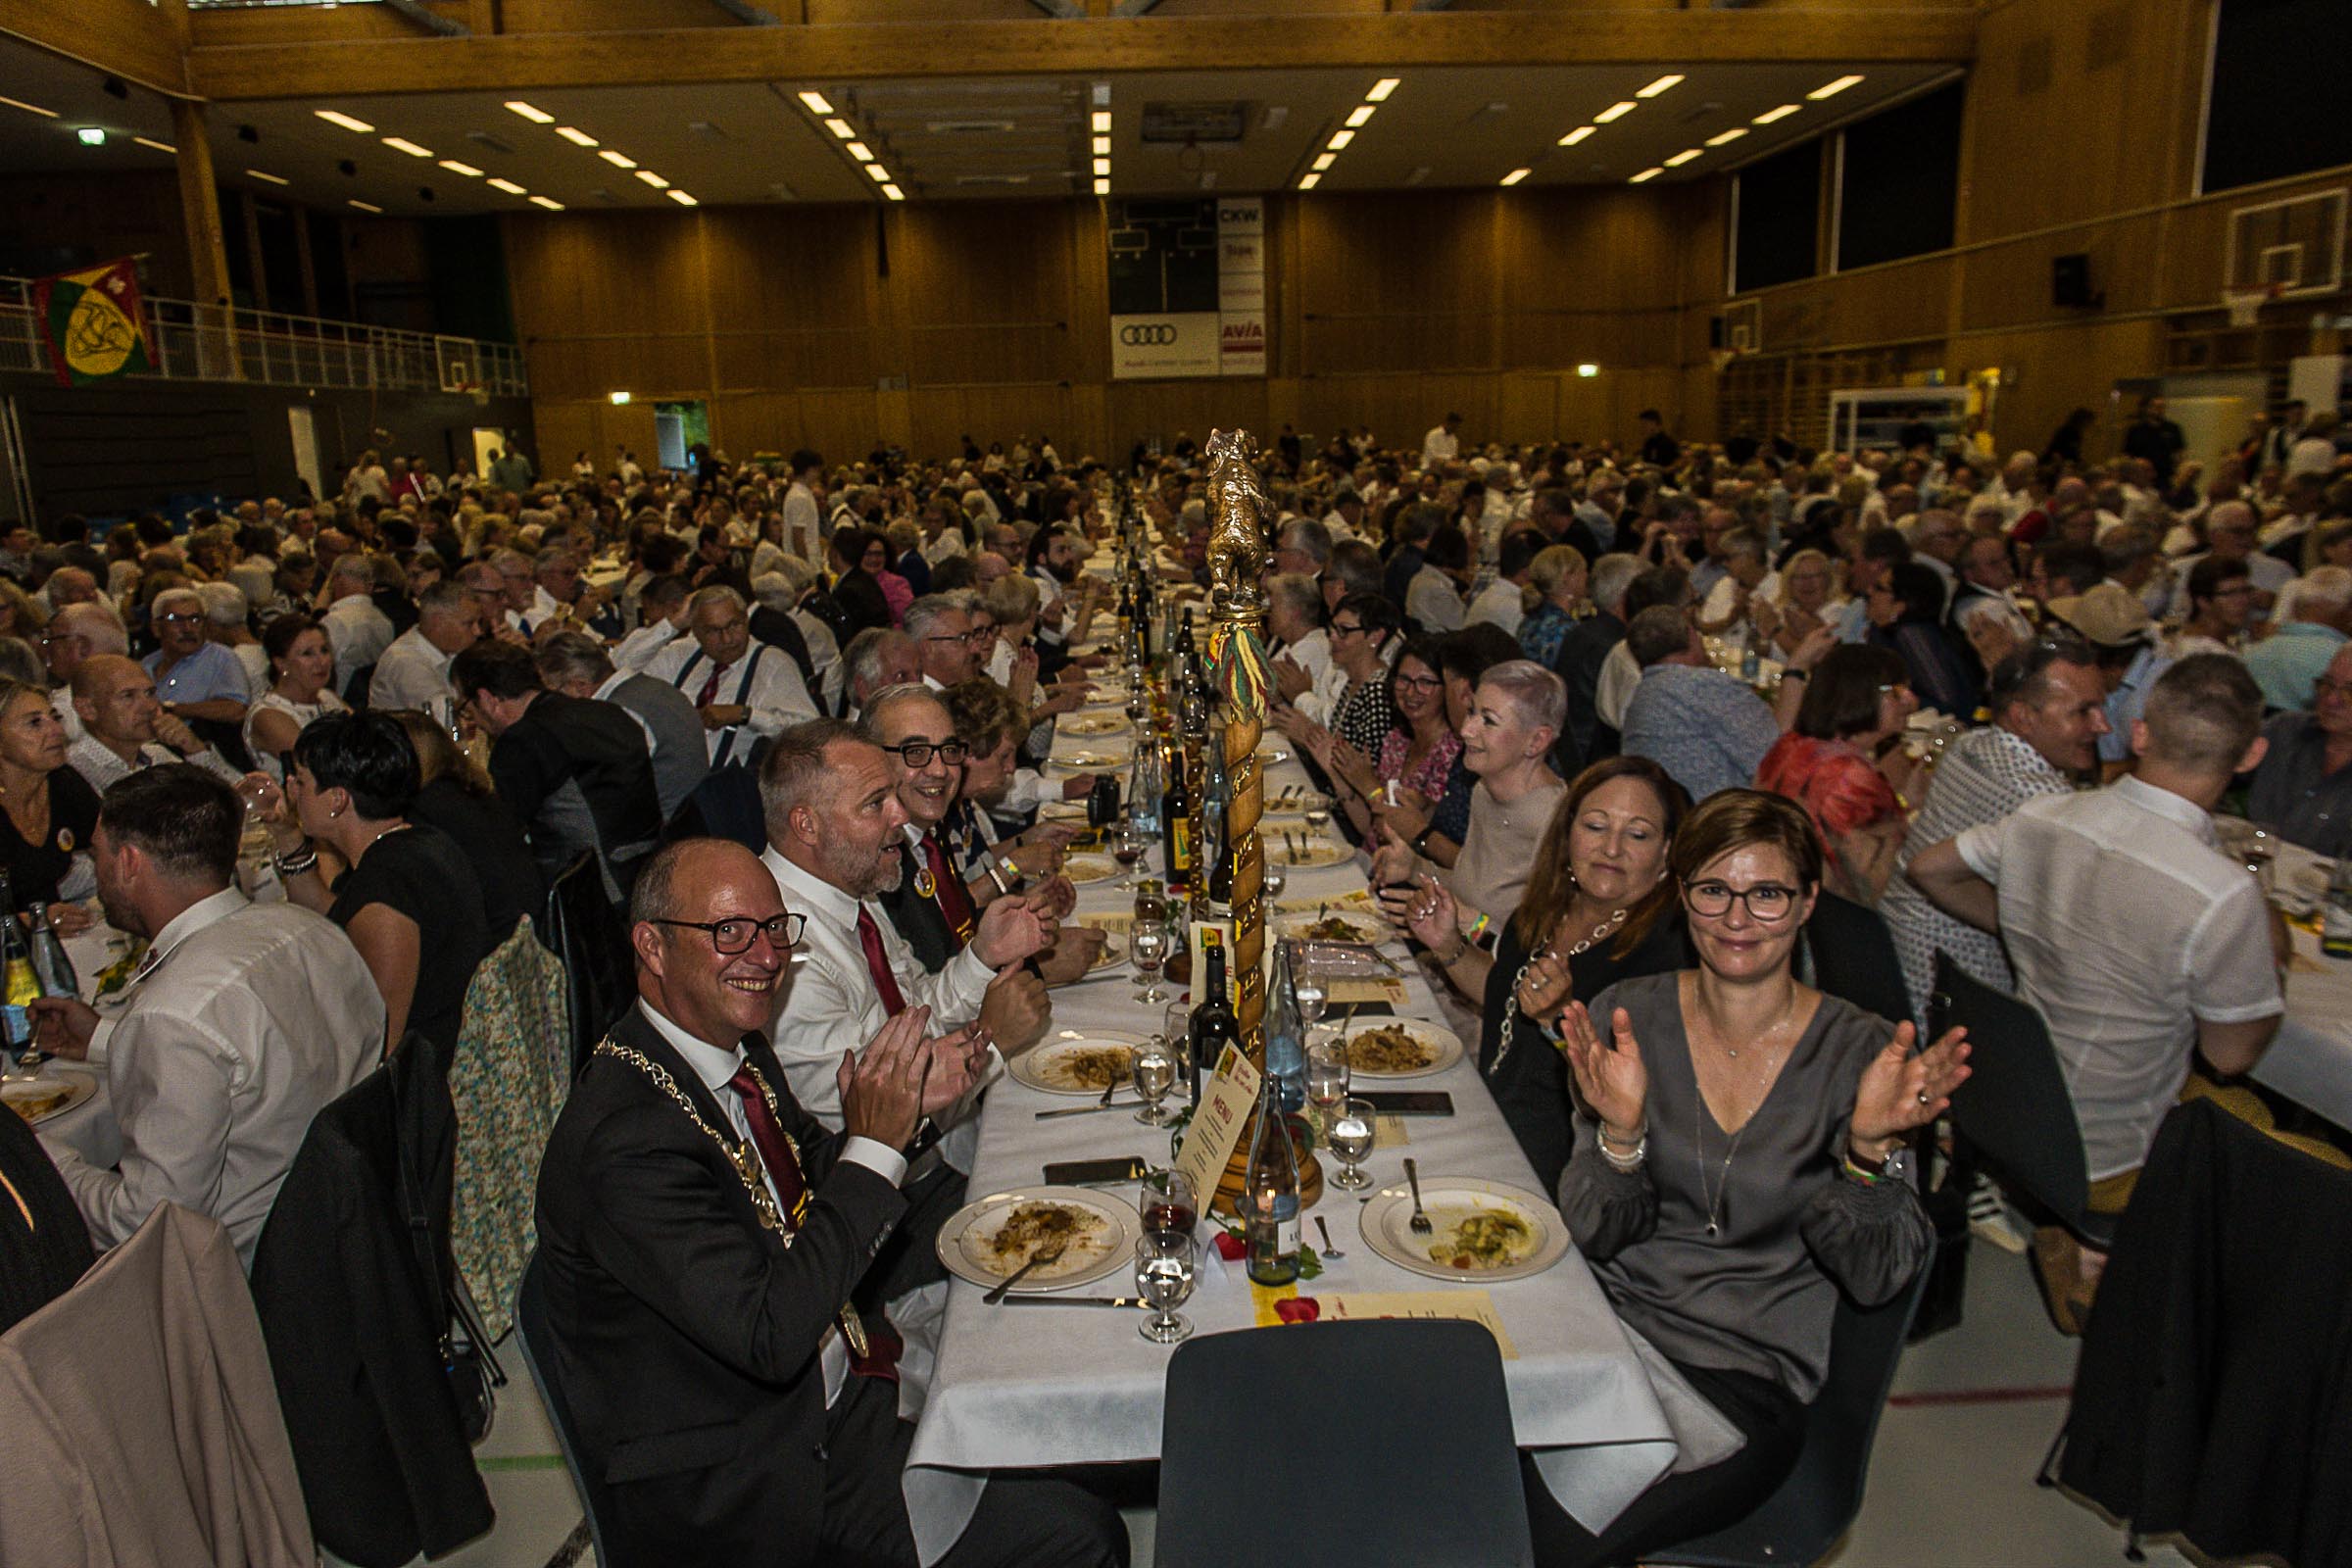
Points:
(1324, 1230)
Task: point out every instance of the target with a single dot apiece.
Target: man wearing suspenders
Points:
(742, 689)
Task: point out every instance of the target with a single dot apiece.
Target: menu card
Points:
(1226, 1099)
(1474, 1307)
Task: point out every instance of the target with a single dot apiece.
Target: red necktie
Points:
(882, 1346)
(877, 964)
(955, 898)
(711, 687)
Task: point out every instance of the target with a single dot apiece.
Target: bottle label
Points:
(1180, 845)
(15, 1026)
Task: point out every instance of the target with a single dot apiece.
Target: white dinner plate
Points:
(1107, 1229)
(1112, 952)
(1304, 851)
(1083, 869)
(1087, 762)
(54, 1091)
(1059, 1064)
(1109, 723)
(1361, 926)
(1441, 1048)
(1450, 1202)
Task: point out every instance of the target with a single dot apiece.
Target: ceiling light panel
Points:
(894, 193)
(365, 207)
(1774, 115)
(1665, 83)
(617, 160)
(335, 117)
(455, 167)
(268, 179)
(1101, 119)
(653, 180)
(841, 129)
(1360, 114)
(401, 144)
(576, 136)
(1831, 90)
(30, 109)
(1381, 90)
(1724, 138)
(1576, 135)
(508, 187)
(881, 174)
(1646, 177)
(537, 117)
(862, 152)
(1340, 140)
(1615, 112)
(1685, 156)
(682, 199)
(1323, 161)
(157, 146)
(1102, 187)
(548, 201)
(1516, 175)
(1309, 180)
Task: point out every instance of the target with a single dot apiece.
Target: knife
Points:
(1087, 1111)
(1074, 1300)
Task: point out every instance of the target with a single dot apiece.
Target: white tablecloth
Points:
(89, 1128)
(1032, 1386)
(2310, 1059)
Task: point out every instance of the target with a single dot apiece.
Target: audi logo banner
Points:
(1188, 288)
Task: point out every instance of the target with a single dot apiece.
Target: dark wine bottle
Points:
(1176, 824)
(1214, 1025)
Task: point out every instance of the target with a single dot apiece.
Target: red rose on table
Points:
(1299, 1309)
(1231, 1248)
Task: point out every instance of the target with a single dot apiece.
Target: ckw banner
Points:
(1188, 288)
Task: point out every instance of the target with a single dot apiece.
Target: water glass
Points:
(1155, 1065)
(1147, 946)
(1274, 878)
(1308, 988)
(1164, 1265)
(1318, 817)
(1348, 1134)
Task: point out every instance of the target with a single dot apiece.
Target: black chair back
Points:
(1231, 1458)
(539, 1356)
(1802, 1521)
(1854, 959)
(725, 805)
(355, 690)
(600, 978)
(2014, 1113)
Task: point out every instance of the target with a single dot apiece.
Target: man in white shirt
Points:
(413, 672)
(835, 822)
(74, 634)
(241, 1023)
(662, 614)
(358, 631)
(940, 625)
(802, 523)
(124, 728)
(1302, 666)
(2131, 934)
(1504, 602)
(1443, 444)
(2229, 533)
(741, 690)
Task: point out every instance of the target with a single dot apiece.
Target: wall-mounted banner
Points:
(1188, 288)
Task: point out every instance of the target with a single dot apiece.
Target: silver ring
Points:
(1923, 1097)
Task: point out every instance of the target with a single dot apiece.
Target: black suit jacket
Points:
(577, 774)
(1583, 651)
(685, 1334)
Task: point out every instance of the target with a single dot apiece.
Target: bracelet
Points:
(1868, 1178)
(996, 876)
(1462, 948)
(1011, 868)
(1622, 1163)
(303, 860)
(1794, 673)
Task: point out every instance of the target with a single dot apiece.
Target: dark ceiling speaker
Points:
(116, 87)
(347, 168)
(424, 193)
(248, 133)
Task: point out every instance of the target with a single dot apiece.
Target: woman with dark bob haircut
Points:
(1906, 614)
(1843, 763)
(403, 892)
(1599, 908)
(1741, 1159)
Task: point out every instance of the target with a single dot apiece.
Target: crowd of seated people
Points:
(1623, 732)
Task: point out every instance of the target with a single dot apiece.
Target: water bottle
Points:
(2335, 921)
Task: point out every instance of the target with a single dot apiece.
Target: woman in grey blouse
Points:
(1741, 1160)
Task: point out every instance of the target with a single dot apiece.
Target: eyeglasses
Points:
(731, 937)
(2323, 687)
(182, 618)
(1419, 683)
(917, 754)
(1767, 902)
(1341, 628)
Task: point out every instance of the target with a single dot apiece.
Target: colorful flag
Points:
(95, 328)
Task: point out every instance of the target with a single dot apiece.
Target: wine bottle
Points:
(1270, 1194)
(1286, 1034)
(1216, 829)
(1176, 824)
(1213, 1024)
(21, 986)
(50, 965)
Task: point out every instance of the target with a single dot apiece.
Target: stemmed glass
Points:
(1308, 990)
(1137, 699)
(1318, 817)
(1167, 1202)
(1274, 878)
(1327, 1077)
(1165, 1264)
(1348, 1134)
(1147, 946)
(1153, 1065)
(1126, 848)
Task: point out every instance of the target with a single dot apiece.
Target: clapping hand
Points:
(1290, 678)
(1393, 862)
(1428, 912)
(884, 1087)
(1900, 1091)
(1009, 932)
(1610, 1077)
(1543, 989)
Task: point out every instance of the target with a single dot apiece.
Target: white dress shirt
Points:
(244, 1021)
(2126, 926)
(359, 632)
(715, 1066)
(765, 680)
(639, 647)
(803, 529)
(1614, 687)
(1440, 445)
(831, 1004)
(1433, 600)
(411, 673)
(1501, 603)
(101, 768)
(1321, 700)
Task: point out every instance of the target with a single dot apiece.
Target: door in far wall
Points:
(2213, 412)
(303, 427)
(488, 442)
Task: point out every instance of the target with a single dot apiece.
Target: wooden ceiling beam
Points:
(129, 39)
(824, 52)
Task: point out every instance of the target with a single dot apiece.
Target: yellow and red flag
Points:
(92, 319)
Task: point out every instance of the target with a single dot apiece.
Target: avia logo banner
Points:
(1188, 288)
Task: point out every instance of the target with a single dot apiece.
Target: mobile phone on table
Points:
(1408, 1101)
(1093, 1172)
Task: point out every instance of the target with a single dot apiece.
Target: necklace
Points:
(380, 837)
(1510, 1006)
(1715, 1196)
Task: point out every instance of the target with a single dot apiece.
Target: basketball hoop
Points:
(1722, 358)
(2245, 304)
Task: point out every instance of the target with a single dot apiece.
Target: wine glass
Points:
(1318, 817)
(1147, 946)
(1348, 1134)
(1154, 1065)
(1312, 995)
(1126, 848)
(1274, 878)
(1327, 1077)
(1164, 1263)
(1138, 702)
(1167, 1202)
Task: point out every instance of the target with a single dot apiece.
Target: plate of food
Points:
(1112, 952)
(1363, 929)
(990, 1241)
(1072, 1061)
(52, 1092)
(1110, 723)
(1305, 854)
(1480, 1229)
(1398, 1047)
(1088, 762)
(1082, 870)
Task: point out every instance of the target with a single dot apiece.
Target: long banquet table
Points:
(1035, 1386)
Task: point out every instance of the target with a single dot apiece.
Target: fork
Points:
(1419, 1225)
(1109, 1089)
(1036, 1260)
(1329, 1250)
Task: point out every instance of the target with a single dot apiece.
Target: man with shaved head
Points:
(125, 729)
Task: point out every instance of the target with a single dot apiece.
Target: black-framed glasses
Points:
(1345, 628)
(1767, 902)
(731, 937)
(180, 618)
(1419, 683)
(917, 754)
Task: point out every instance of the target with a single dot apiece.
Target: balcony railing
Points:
(194, 342)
